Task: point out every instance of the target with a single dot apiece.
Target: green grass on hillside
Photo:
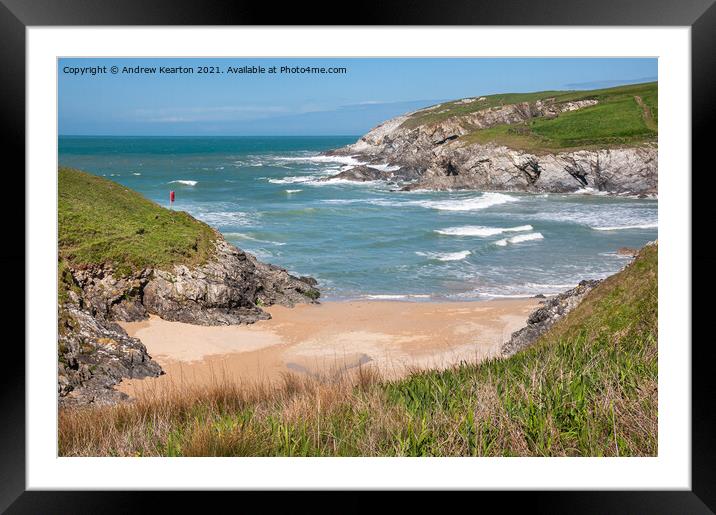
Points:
(587, 388)
(100, 221)
(618, 119)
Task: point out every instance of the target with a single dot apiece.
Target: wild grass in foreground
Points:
(587, 388)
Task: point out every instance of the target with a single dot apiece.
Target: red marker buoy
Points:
(171, 199)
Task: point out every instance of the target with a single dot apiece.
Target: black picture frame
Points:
(17, 15)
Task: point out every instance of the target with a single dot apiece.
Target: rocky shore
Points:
(95, 353)
(441, 156)
(544, 317)
(556, 308)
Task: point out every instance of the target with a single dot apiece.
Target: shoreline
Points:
(392, 337)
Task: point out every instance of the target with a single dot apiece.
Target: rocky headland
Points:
(550, 144)
(224, 285)
(95, 353)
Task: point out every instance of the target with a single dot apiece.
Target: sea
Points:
(366, 240)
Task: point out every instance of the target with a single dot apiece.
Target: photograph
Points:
(357, 257)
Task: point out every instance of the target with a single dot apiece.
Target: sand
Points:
(321, 340)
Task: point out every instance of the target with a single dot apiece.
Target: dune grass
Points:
(587, 388)
(618, 119)
(100, 221)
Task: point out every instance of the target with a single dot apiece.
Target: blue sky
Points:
(371, 91)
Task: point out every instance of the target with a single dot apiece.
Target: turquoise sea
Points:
(365, 240)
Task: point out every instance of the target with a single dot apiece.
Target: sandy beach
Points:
(328, 339)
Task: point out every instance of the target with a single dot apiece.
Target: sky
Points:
(370, 91)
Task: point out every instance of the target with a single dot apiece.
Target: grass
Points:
(102, 222)
(587, 388)
(618, 119)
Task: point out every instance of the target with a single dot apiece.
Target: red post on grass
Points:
(171, 199)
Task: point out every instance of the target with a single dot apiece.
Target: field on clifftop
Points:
(624, 115)
(102, 222)
(587, 388)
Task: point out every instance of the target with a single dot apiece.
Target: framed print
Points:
(424, 251)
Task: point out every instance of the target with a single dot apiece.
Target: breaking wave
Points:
(295, 179)
(446, 256)
(520, 239)
(623, 227)
(481, 231)
(468, 204)
(346, 160)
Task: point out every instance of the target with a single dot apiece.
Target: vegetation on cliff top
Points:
(102, 222)
(624, 115)
(588, 387)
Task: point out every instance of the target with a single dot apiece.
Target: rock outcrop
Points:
(546, 316)
(229, 289)
(95, 353)
(487, 167)
(361, 173)
(436, 156)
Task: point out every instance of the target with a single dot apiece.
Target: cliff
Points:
(603, 140)
(122, 258)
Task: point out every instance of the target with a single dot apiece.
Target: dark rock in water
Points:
(545, 316)
(95, 353)
(627, 251)
(361, 173)
(539, 296)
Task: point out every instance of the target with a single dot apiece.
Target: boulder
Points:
(361, 173)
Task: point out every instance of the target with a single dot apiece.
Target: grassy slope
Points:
(588, 387)
(618, 119)
(100, 221)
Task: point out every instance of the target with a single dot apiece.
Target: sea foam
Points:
(385, 167)
(520, 238)
(295, 179)
(244, 236)
(468, 204)
(446, 256)
(623, 227)
(184, 182)
(346, 160)
(481, 231)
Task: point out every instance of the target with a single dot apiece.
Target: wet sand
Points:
(327, 339)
